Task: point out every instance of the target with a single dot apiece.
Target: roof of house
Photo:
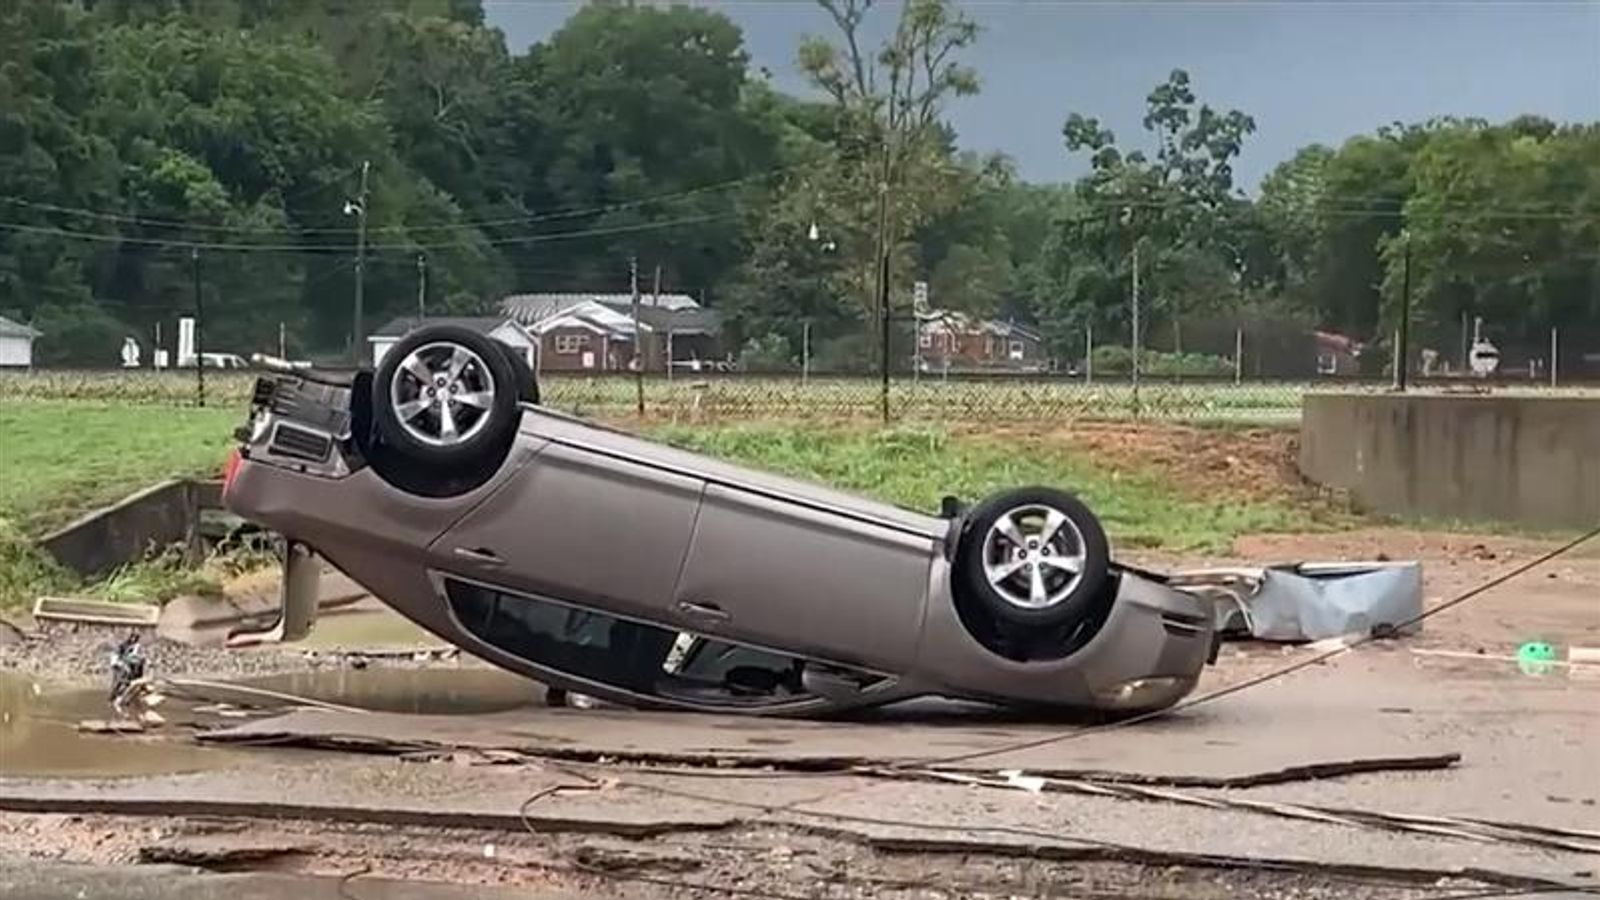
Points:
(959, 321)
(1335, 341)
(531, 308)
(696, 320)
(617, 318)
(397, 327)
(594, 316)
(8, 328)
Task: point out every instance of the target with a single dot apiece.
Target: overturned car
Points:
(601, 563)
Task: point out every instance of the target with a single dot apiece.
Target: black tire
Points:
(527, 382)
(1085, 536)
(489, 368)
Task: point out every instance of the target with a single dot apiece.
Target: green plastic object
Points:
(1536, 657)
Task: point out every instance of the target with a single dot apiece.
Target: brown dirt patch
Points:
(1248, 464)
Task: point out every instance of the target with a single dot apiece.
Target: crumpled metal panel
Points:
(1312, 601)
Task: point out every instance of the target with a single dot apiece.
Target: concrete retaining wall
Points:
(1517, 459)
(156, 517)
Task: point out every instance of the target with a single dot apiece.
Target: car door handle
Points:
(480, 555)
(706, 611)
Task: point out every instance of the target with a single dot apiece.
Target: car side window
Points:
(578, 642)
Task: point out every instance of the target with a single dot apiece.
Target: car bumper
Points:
(1148, 654)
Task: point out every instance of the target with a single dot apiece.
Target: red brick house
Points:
(1337, 354)
(958, 342)
(595, 332)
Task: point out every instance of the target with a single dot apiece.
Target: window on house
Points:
(926, 340)
(1327, 364)
(571, 343)
(1016, 349)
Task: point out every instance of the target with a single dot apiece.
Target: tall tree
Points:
(1176, 209)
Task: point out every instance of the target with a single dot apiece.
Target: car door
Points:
(582, 527)
(805, 578)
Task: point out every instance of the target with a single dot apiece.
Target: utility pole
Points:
(638, 338)
(1134, 350)
(283, 341)
(199, 327)
(1088, 353)
(655, 300)
(883, 283)
(422, 286)
(1402, 351)
(359, 209)
(805, 353)
(1554, 348)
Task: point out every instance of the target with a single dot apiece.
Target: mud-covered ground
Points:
(1504, 723)
(776, 863)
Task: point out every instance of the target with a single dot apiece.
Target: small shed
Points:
(16, 344)
(504, 330)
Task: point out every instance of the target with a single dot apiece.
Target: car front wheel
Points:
(445, 396)
(1033, 558)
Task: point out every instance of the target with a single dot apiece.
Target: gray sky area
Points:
(1307, 70)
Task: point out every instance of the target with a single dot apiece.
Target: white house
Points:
(505, 331)
(16, 344)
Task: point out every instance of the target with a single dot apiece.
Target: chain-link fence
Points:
(920, 396)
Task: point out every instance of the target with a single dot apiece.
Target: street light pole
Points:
(359, 208)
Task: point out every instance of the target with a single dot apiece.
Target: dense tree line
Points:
(141, 141)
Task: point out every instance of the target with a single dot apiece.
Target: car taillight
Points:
(230, 469)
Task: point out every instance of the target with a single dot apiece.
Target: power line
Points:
(304, 248)
(1347, 209)
(552, 215)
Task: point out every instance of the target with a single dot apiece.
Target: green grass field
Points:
(61, 458)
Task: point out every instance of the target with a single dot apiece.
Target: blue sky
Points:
(1307, 70)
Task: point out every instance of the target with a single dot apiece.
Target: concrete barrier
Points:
(1511, 458)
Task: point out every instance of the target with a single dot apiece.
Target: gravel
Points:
(77, 654)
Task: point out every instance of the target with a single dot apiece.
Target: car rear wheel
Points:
(1033, 557)
(445, 395)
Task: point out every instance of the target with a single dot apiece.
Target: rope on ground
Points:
(197, 684)
(1484, 831)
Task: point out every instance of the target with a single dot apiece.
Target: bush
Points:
(768, 353)
(1114, 360)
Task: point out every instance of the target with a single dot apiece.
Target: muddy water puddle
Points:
(432, 692)
(39, 737)
(39, 734)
